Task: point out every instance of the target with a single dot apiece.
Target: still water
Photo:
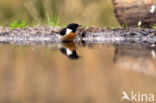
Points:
(93, 74)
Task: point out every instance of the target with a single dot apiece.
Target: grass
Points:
(154, 27)
(18, 24)
(37, 11)
(55, 21)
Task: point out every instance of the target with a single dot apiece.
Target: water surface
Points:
(95, 74)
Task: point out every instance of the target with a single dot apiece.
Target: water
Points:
(95, 74)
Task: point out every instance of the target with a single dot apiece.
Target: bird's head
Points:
(73, 26)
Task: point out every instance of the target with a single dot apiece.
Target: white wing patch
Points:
(68, 31)
(69, 52)
(153, 8)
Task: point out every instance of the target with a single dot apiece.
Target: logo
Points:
(137, 96)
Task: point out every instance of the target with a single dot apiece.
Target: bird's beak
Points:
(80, 25)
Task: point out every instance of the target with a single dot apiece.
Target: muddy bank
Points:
(39, 34)
(120, 35)
(49, 34)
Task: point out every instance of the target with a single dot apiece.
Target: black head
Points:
(73, 26)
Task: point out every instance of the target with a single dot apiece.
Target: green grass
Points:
(54, 21)
(154, 27)
(18, 24)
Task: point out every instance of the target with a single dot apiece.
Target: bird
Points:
(69, 32)
(69, 49)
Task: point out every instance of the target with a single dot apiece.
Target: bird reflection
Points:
(69, 49)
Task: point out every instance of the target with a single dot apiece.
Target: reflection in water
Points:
(137, 58)
(133, 57)
(69, 49)
(41, 74)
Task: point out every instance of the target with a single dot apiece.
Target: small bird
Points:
(69, 33)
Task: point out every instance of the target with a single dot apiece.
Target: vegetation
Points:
(54, 21)
(18, 24)
(23, 24)
(154, 27)
(23, 13)
(58, 12)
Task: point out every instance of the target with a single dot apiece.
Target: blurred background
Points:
(87, 12)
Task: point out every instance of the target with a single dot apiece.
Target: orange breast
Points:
(69, 37)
